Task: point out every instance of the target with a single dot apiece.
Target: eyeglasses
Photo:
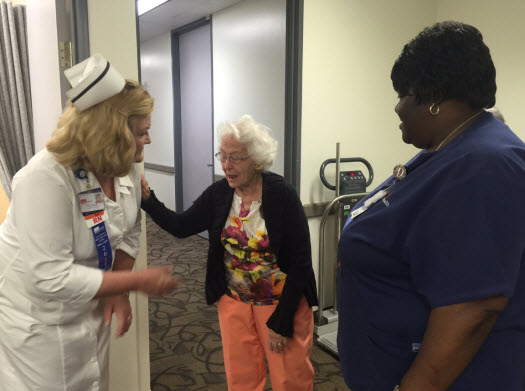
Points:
(232, 158)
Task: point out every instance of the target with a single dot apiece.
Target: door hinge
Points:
(66, 54)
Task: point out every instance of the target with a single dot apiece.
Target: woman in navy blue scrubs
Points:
(431, 289)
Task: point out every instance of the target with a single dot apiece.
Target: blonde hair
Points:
(256, 137)
(99, 139)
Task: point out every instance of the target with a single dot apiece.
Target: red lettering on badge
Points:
(93, 215)
(97, 219)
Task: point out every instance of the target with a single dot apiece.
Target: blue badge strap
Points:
(100, 235)
(95, 221)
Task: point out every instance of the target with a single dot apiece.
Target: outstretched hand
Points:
(157, 281)
(144, 186)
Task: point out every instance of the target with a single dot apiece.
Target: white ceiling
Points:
(177, 13)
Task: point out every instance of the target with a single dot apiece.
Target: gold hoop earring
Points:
(435, 107)
(258, 167)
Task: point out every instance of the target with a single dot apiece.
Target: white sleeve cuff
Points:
(87, 280)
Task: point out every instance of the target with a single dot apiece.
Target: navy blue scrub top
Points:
(452, 231)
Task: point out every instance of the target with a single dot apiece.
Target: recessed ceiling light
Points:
(144, 6)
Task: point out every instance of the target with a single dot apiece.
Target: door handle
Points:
(210, 165)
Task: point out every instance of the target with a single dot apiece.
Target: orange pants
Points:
(245, 345)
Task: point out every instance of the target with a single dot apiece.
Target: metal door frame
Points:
(177, 131)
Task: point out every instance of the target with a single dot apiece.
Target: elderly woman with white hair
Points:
(259, 268)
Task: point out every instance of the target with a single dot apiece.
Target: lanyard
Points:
(91, 203)
(399, 173)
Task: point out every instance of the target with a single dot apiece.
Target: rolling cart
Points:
(350, 187)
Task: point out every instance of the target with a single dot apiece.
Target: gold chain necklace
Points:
(455, 130)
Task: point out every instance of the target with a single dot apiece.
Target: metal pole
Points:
(321, 250)
(337, 161)
(338, 217)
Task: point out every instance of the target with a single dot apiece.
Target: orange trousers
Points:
(245, 346)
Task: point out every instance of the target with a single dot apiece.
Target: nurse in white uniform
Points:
(70, 238)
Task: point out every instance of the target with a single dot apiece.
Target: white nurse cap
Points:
(93, 80)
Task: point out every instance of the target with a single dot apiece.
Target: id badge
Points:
(91, 200)
(369, 202)
(92, 208)
(357, 212)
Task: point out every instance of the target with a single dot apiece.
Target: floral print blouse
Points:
(251, 267)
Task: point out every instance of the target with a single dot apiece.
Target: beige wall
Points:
(4, 204)
(501, 24)
(112, 32)
(349, 47)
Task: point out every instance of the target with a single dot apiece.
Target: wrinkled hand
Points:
(277, 343)
(118, 305)
(157, 281)
(144, 186)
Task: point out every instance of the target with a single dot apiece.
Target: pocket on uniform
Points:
(391, 355)
(399, 347)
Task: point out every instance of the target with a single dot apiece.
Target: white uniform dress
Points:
(52, 331)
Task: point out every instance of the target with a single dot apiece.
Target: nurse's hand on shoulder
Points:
(277, 343)
(157, 281)
(144, 187)
(118, 305)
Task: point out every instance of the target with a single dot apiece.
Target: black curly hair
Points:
(448, 60)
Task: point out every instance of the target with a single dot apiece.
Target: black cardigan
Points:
(287, 229)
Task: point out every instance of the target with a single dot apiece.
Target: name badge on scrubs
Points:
(92, 207)
(369, 202)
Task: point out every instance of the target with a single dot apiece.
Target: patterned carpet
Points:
(185, 340)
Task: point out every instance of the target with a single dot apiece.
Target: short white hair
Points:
(496, 113)
(257, 138)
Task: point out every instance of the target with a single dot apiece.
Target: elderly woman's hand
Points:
(277, 343)
(145, 188)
